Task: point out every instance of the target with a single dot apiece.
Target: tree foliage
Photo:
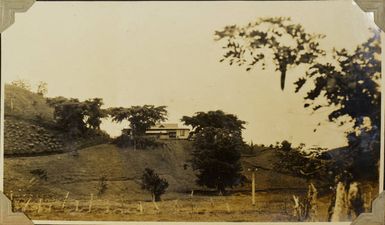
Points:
(350, 84)
(94, 112)
(216, 156)
(217, 148)
(347, 84)
(215, 119)
(77, 117)
(42, 88)
(24, 84)
(154, 184)
(141, 118)
(286, 145)
(276, 39)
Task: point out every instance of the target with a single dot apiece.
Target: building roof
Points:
(168, 126)
(163, 126)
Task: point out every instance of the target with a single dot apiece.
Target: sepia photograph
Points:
(221, 111)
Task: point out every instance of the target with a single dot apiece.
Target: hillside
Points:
(25, 104)
(123, 168)
(81, 174)
(29, 128)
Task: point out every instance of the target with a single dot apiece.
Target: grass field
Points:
(79, 177)
(270, 206)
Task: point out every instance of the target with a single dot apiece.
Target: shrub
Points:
(154, 184)
(42, 174)
(102, 185)
(140, 142)
(285, 145)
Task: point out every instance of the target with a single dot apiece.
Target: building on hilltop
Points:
(165, 131)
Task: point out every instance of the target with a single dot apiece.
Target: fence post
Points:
(212, 202)
(176, 205)
(65, 200)
(253, 188)
(90, 205)
(50, 207)
(228, 207)
(192, 204)
(108, 207)
(140, 207)
(26, 205)
(39, 206)
(76, 205)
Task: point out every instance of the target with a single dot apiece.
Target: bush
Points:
(123, 141)
(41, 173)
(286, 146)
(140, 142)
(154, 184)
(102, 185)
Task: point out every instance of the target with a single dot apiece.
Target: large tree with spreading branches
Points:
(347, 83)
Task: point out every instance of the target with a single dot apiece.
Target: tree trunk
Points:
(157, 198)
(283, 78)
(221, 189)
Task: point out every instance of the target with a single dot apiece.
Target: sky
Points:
(164, 53)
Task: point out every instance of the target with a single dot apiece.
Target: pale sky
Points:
(164, 53)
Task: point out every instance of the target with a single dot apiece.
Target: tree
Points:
(24, 84)
(141, 118)
(75, 116)
(285, 145)
(154, 184)
(69, 116)
(217, 148)
(350, 86)
(216, 156)
(42, 88)
(215, 119)
(348, 83)
(95, 113)
(278, 39)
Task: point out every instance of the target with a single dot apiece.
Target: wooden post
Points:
(192, 204)
(11, 103)
(253, 188)
(140, 207)
(39, 206)
(122, 205)
(26, 205)
(65, 200)
(76, 206)
(108, 207)
(12, 202)
(228, 207)
(176, 205)
(50, 207)
(90, 205)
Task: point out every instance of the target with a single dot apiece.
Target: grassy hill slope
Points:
(25, 104)
(123, 169)
(81, 174)
(29, 128)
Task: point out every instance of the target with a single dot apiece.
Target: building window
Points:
(182, 132)
(172, 134)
